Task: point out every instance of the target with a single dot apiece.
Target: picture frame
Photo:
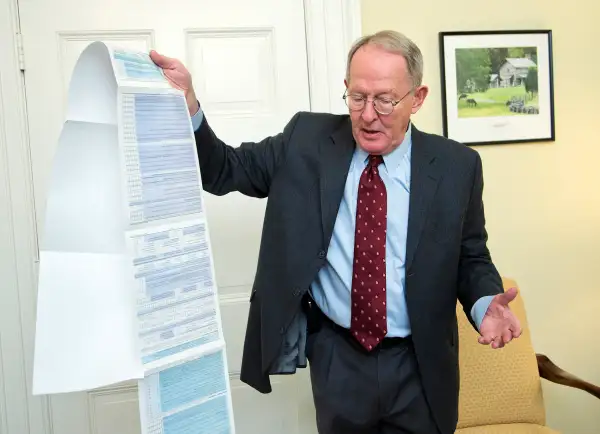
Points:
(497, 86)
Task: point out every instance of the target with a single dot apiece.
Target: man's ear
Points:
(420, 94)
(346, 83)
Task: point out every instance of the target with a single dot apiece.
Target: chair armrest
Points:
(553, 373)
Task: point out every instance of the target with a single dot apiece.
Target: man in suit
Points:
(373, 230)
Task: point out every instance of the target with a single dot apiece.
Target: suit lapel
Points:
(425, 175)
(335, 155)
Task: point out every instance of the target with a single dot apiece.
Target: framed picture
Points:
(497, 86)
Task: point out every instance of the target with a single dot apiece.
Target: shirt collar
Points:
(394, 158)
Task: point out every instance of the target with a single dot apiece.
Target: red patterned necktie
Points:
(368, 324)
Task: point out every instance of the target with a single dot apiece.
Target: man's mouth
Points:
(370, 133)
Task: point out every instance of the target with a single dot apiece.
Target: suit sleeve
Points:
(478, 276)
(248, 169)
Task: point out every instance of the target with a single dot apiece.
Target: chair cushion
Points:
(511, 428)
(499, 386)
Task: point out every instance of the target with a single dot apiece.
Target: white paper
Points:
(85, 330)
(126, 285)
(86, 327)
(190, 396)
(93, 88)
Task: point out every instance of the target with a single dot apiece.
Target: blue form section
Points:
(211, 337)
(188, 239)
(161, 117)
(170, 184)
(211, 417)
(139, 67)
(195, 241)
(192, 381)
(162, 283)
(168, 332)
(185, 267)
(175, 266)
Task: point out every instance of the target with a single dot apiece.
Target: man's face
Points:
(375, 72)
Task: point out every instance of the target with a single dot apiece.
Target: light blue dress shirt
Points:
(197, 119)
(331, 288)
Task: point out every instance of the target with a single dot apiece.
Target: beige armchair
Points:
(494, 403)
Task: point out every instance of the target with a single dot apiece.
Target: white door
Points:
(249, 64)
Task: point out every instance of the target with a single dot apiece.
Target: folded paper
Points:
(126, 285)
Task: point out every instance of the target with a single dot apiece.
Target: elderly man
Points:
(373, 231)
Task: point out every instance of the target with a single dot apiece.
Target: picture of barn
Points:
(497, 81)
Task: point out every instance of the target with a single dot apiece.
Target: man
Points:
(373, 231)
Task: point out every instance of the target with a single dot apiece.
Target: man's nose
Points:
(369, 114)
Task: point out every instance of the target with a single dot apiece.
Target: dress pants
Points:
(360, 392)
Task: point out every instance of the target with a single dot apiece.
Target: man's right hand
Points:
(179, 77)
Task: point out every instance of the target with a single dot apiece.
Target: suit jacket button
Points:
(322, 254)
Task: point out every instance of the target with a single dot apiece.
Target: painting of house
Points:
(496, 81)
(513, 71)
(497, 85)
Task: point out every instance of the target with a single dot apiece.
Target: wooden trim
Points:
(549, 371)
(22, 412)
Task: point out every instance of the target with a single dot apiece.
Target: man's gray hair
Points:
(394, 42)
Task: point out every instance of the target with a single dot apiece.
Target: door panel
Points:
(249, 65)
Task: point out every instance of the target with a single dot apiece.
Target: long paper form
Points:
(126, 285)
(189, 396)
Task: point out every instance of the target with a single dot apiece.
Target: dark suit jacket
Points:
(302, 171)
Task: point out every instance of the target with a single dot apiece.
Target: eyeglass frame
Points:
(366, 100)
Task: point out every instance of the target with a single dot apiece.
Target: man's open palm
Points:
(500, 325)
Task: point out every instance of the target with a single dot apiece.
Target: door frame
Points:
(331, 26)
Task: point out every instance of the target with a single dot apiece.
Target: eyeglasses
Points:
(383, 106)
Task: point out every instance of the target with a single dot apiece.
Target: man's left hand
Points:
(499, 325)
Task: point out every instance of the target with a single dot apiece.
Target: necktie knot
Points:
(375, 160)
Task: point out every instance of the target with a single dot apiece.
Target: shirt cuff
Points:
(479, 309)
(197, 119)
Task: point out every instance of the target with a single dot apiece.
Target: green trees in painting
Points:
(473, 69)
(531, 81)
